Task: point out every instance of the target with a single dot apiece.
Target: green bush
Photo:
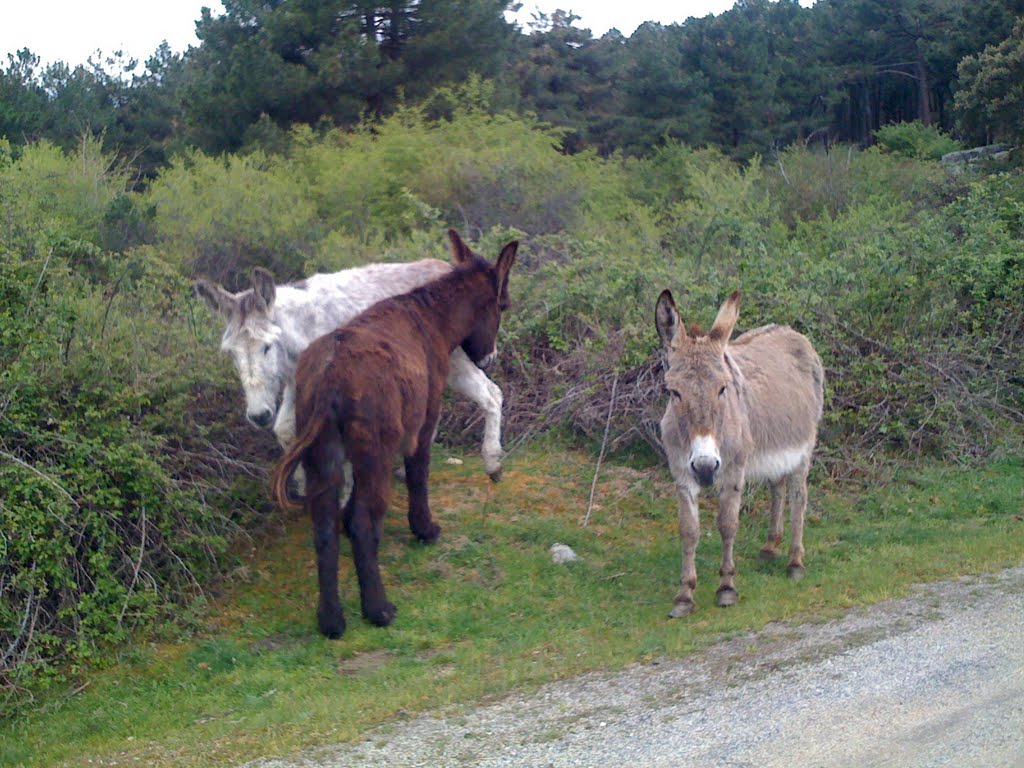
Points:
(221, 216)
(806, 184)
(113, 490)
(915, 140)
(337, 199)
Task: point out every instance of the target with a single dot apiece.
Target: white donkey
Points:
(268, 326)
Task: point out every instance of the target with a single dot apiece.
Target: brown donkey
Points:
(746, 410)
(370, 389)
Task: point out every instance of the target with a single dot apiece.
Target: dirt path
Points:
(932, 680)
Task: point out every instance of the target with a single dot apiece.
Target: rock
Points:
(957, 162)
(561, 553)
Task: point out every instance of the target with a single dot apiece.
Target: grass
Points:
(485, 610)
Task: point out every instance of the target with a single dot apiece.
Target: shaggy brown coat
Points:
(373, 388)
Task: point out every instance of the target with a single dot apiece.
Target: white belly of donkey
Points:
(774, 465)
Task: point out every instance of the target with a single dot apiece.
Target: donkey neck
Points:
(449, 305)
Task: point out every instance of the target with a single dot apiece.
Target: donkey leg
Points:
(369, 502)
(771, 548)
(324, 465)
(689, 535)
(284, 430)
(466, 379)
(417, 470)
(728, 524)
(324, 512)
(798, 507)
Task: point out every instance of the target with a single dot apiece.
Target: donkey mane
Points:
(437, 295)
(755, 333)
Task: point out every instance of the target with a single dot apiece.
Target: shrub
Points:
(220, 216)
(807, 184)
(915, 140)
(113, 491)
(50, 200)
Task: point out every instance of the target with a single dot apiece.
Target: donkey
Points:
(370, 389)
(745, 410)
(268, 326)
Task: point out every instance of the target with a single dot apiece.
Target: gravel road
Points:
(935, 679)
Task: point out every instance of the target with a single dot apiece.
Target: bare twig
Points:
(604, 445)
(782, 170)
(138, 566)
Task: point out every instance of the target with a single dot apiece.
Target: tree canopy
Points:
(991, 96)
(759, 76)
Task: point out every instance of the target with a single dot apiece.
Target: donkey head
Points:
(481, 343)
(699, 378)
(253, 340)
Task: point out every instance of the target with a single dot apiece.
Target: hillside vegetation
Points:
(128, 471)
(318, 140)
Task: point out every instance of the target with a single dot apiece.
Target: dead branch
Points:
(604, 445)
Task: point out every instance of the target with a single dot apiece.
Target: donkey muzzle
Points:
(704, 469)
(261, 418)
(485, 362)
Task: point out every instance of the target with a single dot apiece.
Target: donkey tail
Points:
(293, 455)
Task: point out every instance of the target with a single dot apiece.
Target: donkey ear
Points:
(263, 286)
(460, 251)
(666, 319)
(726, 320)
(503, 266)
(215, 297)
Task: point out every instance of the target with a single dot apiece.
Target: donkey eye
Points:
(266, 349)
(721, 392)
(675, 395)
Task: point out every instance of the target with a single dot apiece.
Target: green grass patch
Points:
(485, 610)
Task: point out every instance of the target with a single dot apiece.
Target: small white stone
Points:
(561, 553)
(452, 460)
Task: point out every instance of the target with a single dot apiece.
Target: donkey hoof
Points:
(429, 536)
(766, 554)
(495, 475)
(332, 625)
(726, 596)
(381, 615)
(681, 609)
(796, 572)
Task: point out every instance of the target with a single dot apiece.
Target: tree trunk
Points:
(924, 111)
(393, 44)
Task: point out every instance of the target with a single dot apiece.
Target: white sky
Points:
(72, 30)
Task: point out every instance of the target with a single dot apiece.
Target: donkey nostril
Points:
(262, 418)
(705, 469)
